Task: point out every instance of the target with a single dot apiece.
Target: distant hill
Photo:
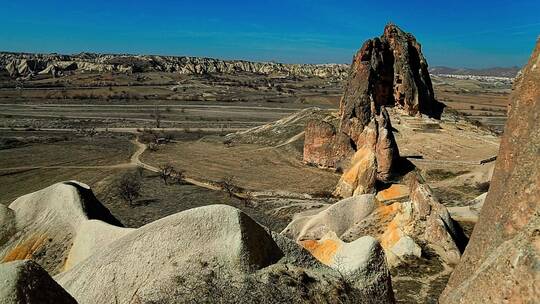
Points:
(495, 71)
(28, 65)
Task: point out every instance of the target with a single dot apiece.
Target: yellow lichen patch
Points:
(25, 249)
(395, 191)
(323, 250)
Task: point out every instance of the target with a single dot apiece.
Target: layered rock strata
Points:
(24, 65)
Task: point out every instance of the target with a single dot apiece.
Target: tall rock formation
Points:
(388, 71)
(502, 261)
(373, 160)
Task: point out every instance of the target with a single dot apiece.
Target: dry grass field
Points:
(253, 167)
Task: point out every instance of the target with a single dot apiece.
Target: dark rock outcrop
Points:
(388, 71)
(501, 262)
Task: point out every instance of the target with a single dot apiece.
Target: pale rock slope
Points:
(212, 253)
(43, 225)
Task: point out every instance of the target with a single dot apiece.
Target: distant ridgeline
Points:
(27, 65)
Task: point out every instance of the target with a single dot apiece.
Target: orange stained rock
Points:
(391, 235)
(360, 161)
(386, 212)
(323, 251)
(25, 249)
(395, 191)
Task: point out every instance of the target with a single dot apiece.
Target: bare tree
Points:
(168, 172)
(228, 184)
(129, 187)
(165, 172)
(177, 176)
(157, 116)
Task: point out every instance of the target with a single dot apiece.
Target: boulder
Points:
(427, 220)
(338, 218)
(352, 258)
(192, 253)
(398, 225)
(503, 256)
(406, 247)
(26, 282)
(323, 146)
(151, 256)
(42, 226)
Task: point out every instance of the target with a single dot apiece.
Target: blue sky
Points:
(453, 33)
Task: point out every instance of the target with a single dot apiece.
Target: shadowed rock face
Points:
(26, 282)
(386, 71)
(502, 259)
(389, 71)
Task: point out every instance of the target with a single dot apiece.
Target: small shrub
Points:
(129, 187)
(140, 171)
(165, 172)
(482, 187)
(322, 194)
(168, 173)
(153, 147)
(228, 184)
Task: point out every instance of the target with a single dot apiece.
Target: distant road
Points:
(149, 105)
(120, 130)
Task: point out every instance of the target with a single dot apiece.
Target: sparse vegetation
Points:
(322, 194)
(228, 184)
(215, 283)
(440, 174)
(483, 187)
(157, 116)
(129, 187)
(170, 175)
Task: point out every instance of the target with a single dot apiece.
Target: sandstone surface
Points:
(401, 226)
(42, 226)
(389, 71)
(503, 255)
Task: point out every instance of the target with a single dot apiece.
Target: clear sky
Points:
(454, 33)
